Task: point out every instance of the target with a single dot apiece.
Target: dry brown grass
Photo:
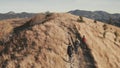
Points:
(5, 29)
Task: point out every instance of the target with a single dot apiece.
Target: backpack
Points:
(69, 50)
(84, 39)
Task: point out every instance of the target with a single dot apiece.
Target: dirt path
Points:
(84, 58)
(88, 58)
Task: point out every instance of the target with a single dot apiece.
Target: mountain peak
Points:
(11, 12)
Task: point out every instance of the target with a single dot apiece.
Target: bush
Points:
(80, 19)
(117, 33)
(105, 27)
(48, 13)
(104, 34)
(95, 21)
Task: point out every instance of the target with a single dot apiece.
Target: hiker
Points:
(76, 45)
(69, 52)
(84, 41)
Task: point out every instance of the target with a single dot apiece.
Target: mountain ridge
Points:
(102, 16)
(12, 14)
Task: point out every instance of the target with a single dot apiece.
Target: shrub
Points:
(95, 21)
(105, 27)
(104, 34)
(48, 13)
(117, 33)
(80, 19)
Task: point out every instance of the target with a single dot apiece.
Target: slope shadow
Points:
(31, 23)
(88, 57)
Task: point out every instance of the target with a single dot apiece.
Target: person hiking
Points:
(76, 45)
(84, 41)
(69, 52)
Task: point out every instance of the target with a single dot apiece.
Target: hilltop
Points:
(42, 41)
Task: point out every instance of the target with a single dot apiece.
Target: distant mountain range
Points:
(103, 16)
(12, 14)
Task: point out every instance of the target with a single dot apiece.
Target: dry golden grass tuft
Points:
(5, 29)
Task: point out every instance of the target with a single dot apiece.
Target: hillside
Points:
(42, 42)
(102, 16)
(6, 26)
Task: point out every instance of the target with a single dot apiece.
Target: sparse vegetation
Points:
(5, 30)
(115, 39)
(117, 33)
(48, 13)
(80, 19)
(104, 34)
(105, 27)
(95, 21)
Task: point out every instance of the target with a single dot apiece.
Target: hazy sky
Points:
(112, 6)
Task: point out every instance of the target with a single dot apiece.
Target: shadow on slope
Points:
(36, 20)
(88, 57)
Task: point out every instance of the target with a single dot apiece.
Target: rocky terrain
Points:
(42, 41)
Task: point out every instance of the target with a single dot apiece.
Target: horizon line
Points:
(58, 11)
